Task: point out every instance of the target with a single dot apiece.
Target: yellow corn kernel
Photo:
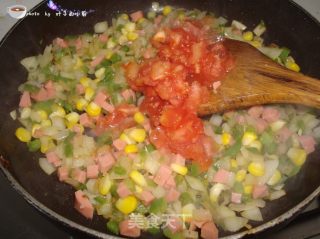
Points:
(130, 26)
(297, 156)
(100, 73)
(126, 138)
(132, 36)
(256, 43)
(225, 138)
(247, 36)
(138, 189)
(233, 163)
(127, 205)
(43, 115)
(23, 135)
(108, 54)
(46, 123)
(241, 175)
(275, 178)
(256, 169)
(141, 20)
(104, 185)
(124, 16)
(34, 128)
(179, 169)
(248, 189)
(138, 135)
(138, 178)
(187, 212)
(73, 117)
(248, 138)
(58, 111)
(81, 104)
(78, 64)
(292, 66)
(139, 117)
(46, 144)
(89, 93)
(93, 109)
(166, 10)
(131, 148)
(85, 81)
(256, 144)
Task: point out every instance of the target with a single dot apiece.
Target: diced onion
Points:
(101, 27)
(276, 194)
(47, 167)
(195, 183)
(234, 224)
(253, 214)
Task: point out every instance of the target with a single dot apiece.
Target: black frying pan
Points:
(288, 25)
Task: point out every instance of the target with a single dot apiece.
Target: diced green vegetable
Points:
(113, 227)
(268, 141)
(34, 145)
(105, 138)
(233, 150)
(194, 169)
(30, 88)
(115, 58)
(119, 170)
(100, 200)
(185, 198)
(158, 206)
(125, 48)
(44, 105)
(150, 148)
(172, 235)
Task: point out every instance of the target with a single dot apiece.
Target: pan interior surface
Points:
(287, 26)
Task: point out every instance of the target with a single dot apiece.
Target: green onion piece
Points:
(234, 149)
(238, 187)
(113, 190)
(142, 209)
(68, 146)
(171, 235)
(153, 230)
(106, 63)
(44, 105)
(185, 198)
(194, 170)
(158, 206)
(113, 227)
(150, 148)
(100, 200)
(218, 130)
(30, 88)
(81, 186)
(115, 58)
(119, 170)
(119, 27)
(237, 132)
(105, 138)
(268, 142)
(125, 48)
(284, 54)
(34, 145)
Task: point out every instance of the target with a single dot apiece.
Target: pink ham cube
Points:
(92, 171)
(236, 197)
(163, 174)
(123, 190)
(119, 144)
(129, 228)
(222, 176)
(146, 197)
(25, 100)
(83, 205)
(259, 191)
(63, 173)
(79, 175)
(209, 231)
(172, 195)
(105, 161)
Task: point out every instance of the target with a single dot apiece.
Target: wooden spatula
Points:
(256, 79)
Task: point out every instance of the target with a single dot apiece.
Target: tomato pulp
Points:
(175, 82)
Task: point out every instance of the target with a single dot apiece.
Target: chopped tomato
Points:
(175, 82)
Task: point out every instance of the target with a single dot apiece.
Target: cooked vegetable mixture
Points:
(114, 114)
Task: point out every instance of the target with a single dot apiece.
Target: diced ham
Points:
(163, 174)
(129, 228)
(77, 129)
(260, 125)
(259, 191)
(123, 190)
(108, 107)
(96, 61)
(307, 142)
(270, 114)
(158, 19)
(119, 144)
(78, 44)
(147, 53)
(209, 231)
(178, 159)
(105, 161)
(25, 100)
(170, 183)
(172, 195)
(174, 224)
(222, 176)
(51, 91)
(83, 205)
(146, 125)
(103, 38)
(52, 157)
(236, 197)
(61, 42)
(284, 134)
(100, 98)
(136, 15)
(79, 175)
(146, 197)
(85, 120)
(41, 95)
(256, 111)
(38, 133)
(240, 119)
(63, 173)
(127, 94)
(92, 171)
(80, 89)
